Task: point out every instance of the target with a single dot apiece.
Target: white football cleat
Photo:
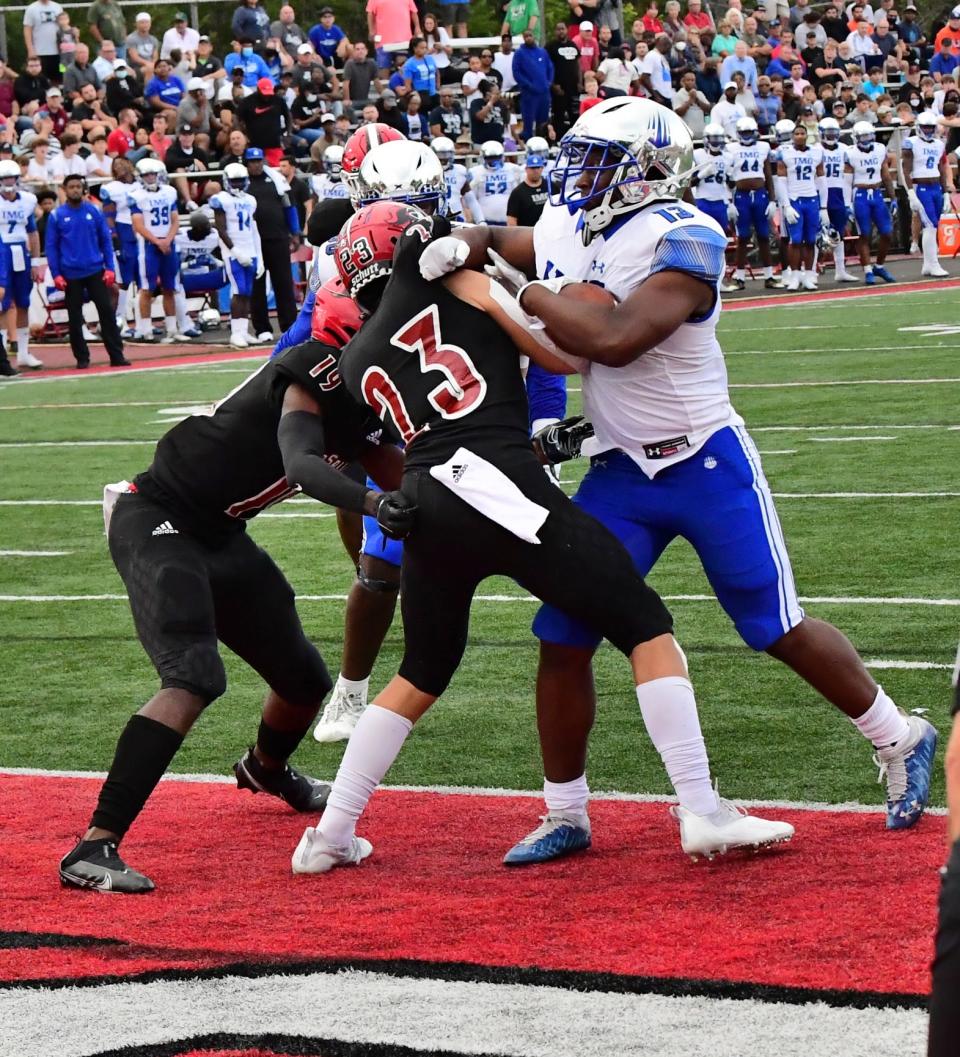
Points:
(727, 828)
(27, 359)
(315, 855)
(793, 283)
(935, 271)
(809, 281)
(265, 337)
(239, 341)
(175, 336)
(845, 277)
(340, 716)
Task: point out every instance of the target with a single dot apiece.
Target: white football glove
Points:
(443, 256)
(554, 285)
(261, 267)
(771, 210)
(502, 271)
(733, 214)
(824, 218)
(790, 215)
(191, 206)
(915, 204)
(243, 259)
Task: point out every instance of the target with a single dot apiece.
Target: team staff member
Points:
(279, 228)
(527, 200)
(944, 1010)
(80, 255)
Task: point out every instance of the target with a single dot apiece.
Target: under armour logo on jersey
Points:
(598, 266)
(458, 471)
(165, 529)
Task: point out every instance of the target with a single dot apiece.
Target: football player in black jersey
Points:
(439, 362)
(177, 536)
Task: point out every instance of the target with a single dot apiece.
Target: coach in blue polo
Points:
(80, 256)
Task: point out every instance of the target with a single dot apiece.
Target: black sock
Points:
(278, 744)
(143, 754)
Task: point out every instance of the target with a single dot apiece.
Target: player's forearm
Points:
(514, 244)
(384, 463)
(301, 440)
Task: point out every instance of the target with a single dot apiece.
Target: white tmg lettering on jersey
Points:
(748, 162)
(926, 157)
(867, 164)
(801, 166)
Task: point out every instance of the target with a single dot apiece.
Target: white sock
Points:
(768, 272)
(883, 723)
(180, 303)
(375, 743)
(145, 327)
(669, 710)
(137, 316)
(351, 686)
(740, 273)
(566, 798)
(928, 242)
(23, 343)
(122, 296)
(171, 324)
(238, 327)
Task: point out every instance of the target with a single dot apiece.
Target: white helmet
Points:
(927, 125)
(492, 154)
(151, 173)
(829, 129)
(864, 135)
(333, 161)
(538, 145)
(783, 130)
(9, 176)
(715, 137)
(237, 178)
(403, 171)
(444, 149)
(645, 149)
(747, 131)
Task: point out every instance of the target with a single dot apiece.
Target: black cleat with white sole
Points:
(96, 864)
(298, 790)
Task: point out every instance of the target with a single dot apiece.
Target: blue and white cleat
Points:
(879, 269)
(869, 278)
(556, 836)
(907, 767)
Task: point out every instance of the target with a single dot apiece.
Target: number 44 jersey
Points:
(439, 372)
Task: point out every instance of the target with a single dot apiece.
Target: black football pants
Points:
(945, 1000)
(276, 261)
(100, 296)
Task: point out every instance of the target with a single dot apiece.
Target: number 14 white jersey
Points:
(238, 211)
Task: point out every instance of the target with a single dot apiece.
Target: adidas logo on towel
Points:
(458, 472)
(166, 529)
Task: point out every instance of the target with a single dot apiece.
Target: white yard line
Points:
(848, 440)
(866, 495)
(33, 554)
(821, 429)
(72, 407)
(73, 443)
(779, 451)
(855, 381)
(780, 351)
(214, 367)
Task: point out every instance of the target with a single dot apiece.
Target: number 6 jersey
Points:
(440, 373)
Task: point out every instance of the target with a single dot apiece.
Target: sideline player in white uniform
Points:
(712, 181)
(839, 197)
(20, 245)
(233, 211)
(492, 181)
(115, 199)
(753, 199)
(153, 209)
(200, 270)
(867, 168)
(329, 183)
(802, 195)
(927, 174)
(462, 203)
(674, 460)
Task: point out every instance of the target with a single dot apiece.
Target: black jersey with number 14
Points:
(439, 372)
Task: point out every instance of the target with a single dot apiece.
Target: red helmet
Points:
(367, 241)
(336, 317)
(360, 143)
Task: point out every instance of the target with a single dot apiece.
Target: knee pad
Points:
(198, 669)
(371, 583)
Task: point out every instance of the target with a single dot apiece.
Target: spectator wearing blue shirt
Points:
(420, 74)
(328, 39)
(251, 22)
(80, 256)
(164, 91)
(253, 65)
(740, 62)
(397, 82)
(533, 72)
(944, 62)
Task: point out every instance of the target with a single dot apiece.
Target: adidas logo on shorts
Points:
(165, 529)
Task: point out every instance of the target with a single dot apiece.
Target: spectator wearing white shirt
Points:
(503, 62)
(103, 63)
(438, 42)
(69, 161)
(98, 162)
(179, 38)
(728, 111)
(40, 168)
(861, 42)
(472, 78)
(655, 75)
(615, 74)
(691, 105)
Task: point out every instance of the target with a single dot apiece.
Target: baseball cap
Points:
(305, 49)
(807, 109)
(326, 10)
(910, 7)
(265, 86)
(196, 84)
(586, 27)
(730, 84)
(119, 64)
(535, 161)
(143, 16)
(185, 130)
(53, 90)
(327, 117)
(204, 37)
(180, 16)
(5, 147)
(253, 154)
(955, 13)
(839, 102)
(389, 97)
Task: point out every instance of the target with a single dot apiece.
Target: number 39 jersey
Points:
(676, 391)
(866, 164)
(157, 208)
(238, 211)
(440, 373)
(801, 166)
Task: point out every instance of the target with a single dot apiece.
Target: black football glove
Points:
(396, 515)
(562, 441)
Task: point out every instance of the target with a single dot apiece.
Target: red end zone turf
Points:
(846, 906)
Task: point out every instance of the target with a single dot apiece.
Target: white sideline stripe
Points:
(866, 495)
(33, 554)
(214, 367)
(72, 443)
(856, 381)
(851, 806)
(821, 429)
(857, 348)
(909, 665)
(515, 1020)
(839, 600)
(848, 440)
(70, 407)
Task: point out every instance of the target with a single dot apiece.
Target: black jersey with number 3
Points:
(219, 470)
(440, 373)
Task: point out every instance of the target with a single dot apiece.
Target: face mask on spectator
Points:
(246, 52)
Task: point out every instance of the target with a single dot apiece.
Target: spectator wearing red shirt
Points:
(696, 16)
(122, 141)
(159, 140)
(586, 42)
(54, 111)
(6, 91)
(651, 20)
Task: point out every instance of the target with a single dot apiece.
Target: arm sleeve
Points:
(53, 250)
(293, 220)
(106, 243)
(780, 187)
(546, 394)
(301, 440)
(822, 191)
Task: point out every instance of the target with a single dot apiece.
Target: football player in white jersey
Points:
(802, 195)
(712, 180)
(753, 199)
(329, 183)
(20, 246)
(462, 203)
(233, 211)
(115, 198)
(492, 181)
(867, 170)
(201, 271)
(153, 210)
(672, 459)
(839, 195)
(927, 174)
